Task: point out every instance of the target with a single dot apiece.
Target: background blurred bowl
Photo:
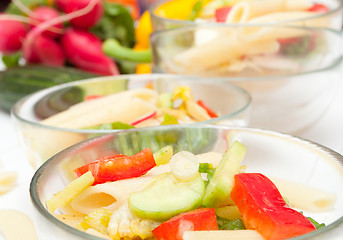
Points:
(40, 142)
(161, 19)
(270, 153)
(291, 72)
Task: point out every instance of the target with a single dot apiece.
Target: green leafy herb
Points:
(207, 168)
(168, 120)
(11, 60)
(225, 224)
(316, 224)
(116, 23)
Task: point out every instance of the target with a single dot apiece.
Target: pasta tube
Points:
(245, 10)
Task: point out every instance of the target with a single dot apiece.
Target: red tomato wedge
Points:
(119, 166)
(318, 8)
(221, 14)
(209, 111)
(263, 208)
(196, 220)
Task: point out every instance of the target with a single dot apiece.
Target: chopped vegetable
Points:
(118, 167)
(184, 166)
(208, 169)
(163, 155)
(166, 197)
(219, 188)
(221, 13)
(209, 111)
(235, 224)
(98, 220)
(263, 208)
(196, 220)
(168, 120)
(125, 225)
(319, 8)
(71, 191)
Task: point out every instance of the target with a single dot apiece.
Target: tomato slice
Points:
(196, 220)
(319, 8)
(119, 167)
(221, 14)
(209, 111)
(263, 208)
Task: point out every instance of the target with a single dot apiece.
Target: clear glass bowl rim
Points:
(338, 60)
(136, 77)
(50, 163)
(192, 23)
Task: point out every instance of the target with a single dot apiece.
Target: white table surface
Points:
(328, 131)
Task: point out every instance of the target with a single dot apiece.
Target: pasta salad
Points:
(141, 107)
(167, 195)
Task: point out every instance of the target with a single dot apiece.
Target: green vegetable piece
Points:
(196, 10)
(166, 197)
(236, 224)
(207, 168)
(316, 224)
(163, 155)
(98, 220)
(165, 100)
(112, 48)
(169, 120)
(219, 188)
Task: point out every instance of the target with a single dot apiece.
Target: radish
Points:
(144, 118)
(83, 50)
(61, 4)
(49, 52)
(43, 14)
(12, 33)
(87, 20)
(30, 55)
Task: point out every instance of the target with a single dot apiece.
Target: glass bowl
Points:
(276, 155)
(164, 18)
(291, 72)
(41, 141)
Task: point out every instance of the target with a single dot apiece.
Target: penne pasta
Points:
(124, 106)
(110, 195)
(227, 48)
(244, 11)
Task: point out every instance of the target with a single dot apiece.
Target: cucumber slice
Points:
(218, 190)
(166, 197)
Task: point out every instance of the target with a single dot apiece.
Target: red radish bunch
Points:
(44, 40)
(12, 33)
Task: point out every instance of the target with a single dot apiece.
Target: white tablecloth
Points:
(328, 131)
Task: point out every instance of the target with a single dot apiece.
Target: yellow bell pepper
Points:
(143, 68)
(175, 9)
